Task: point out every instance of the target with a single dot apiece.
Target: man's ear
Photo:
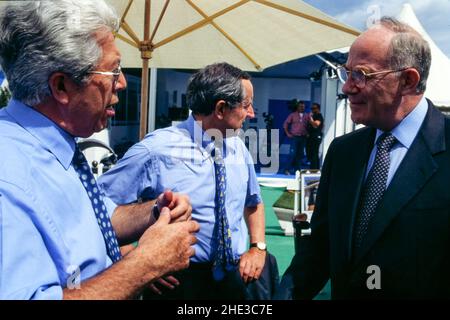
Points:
(410, 80)
(219, 110)
(60, 85)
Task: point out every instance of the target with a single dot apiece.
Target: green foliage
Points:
(5, 95)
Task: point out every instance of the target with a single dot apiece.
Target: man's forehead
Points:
(111, 53)
(370, 47)
(375, 38)
(248, 87)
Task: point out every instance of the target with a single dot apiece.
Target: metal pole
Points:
(297, 193)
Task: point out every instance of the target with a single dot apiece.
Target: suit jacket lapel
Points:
(416, 168)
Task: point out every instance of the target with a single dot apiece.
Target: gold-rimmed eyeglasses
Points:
(359, 76)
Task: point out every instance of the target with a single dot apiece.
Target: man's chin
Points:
(360, 120)
(101, 126)
(110, 112)
(233, 132)
(357, 115)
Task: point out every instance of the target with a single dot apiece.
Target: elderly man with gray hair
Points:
(59, 234)
(380, 228)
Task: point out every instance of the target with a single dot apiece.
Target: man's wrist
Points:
(262, 246)
(155, 211)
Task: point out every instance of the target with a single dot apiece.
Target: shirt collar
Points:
(201, 137)
(406, 131)
(56, 140)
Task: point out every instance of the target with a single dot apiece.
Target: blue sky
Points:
(433, 14)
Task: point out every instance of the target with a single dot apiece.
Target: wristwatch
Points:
(155, 211)
(260, 245)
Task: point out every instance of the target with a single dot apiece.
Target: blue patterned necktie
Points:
(375, 186)
(223, 260)
(87, 178)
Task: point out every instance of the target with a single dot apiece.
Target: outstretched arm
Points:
(163, 248)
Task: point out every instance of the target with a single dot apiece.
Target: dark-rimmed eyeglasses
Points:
(359, 76)
(115, 73)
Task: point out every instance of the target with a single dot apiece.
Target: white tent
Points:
(438, 90)
(337, 112)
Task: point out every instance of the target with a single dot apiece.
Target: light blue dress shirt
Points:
(178, 158)
(48, 231)
(405, 132)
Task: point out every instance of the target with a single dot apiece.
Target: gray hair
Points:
(219, 81)
(408, 49)
(39, 38)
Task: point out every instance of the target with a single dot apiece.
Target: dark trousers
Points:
(312, 151)
(298, 153)
(197, 283)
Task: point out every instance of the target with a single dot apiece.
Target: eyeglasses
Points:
(247, 104)
(358, 76)
(115, 73)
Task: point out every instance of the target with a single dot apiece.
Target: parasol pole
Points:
(146, 55)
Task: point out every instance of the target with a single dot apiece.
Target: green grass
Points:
(281, 246)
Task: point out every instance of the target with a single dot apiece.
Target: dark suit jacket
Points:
(265, 287)
(409, 235)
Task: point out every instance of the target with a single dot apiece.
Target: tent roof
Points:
(250, 34)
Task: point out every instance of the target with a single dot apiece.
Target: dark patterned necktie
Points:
(223, 260)
(375, 186)
(87, 178)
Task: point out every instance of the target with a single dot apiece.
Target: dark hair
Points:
(219, 81)
(316, 104)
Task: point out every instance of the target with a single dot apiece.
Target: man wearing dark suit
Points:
(381, 226)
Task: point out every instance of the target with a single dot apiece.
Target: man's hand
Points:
(169, 282)
(166, 247)
(251, 264)
(163, 249)
(179, 204)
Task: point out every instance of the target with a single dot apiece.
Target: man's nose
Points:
(121, 82)
(349, 87)
(250, 112)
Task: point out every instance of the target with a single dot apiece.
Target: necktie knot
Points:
(217, 155)
(386, 141)
(78, 157)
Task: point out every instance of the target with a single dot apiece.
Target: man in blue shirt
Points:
(56, 236)
(179, 157)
